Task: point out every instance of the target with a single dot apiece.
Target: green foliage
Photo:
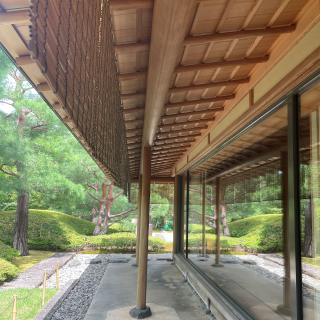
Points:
(197, 228)
(126, 226)
(7, 270)
(8, 253)
(58, 231)
(263, 233)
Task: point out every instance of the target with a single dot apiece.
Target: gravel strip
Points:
(33, 277)
(76, 304)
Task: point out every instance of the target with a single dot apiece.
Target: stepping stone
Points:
(206, 255)
(93, 261)
(252, 262)
(119, 260)
(74, 263)
(230, 261)
(201, 258)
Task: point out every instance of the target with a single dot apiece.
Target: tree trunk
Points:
(101, 211)
(226, 231)
(307, 248)
(106, 220)
(20, 238)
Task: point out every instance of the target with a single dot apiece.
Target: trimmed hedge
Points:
(8, 253)
(7, 270)
(263, 232)
(51, 230)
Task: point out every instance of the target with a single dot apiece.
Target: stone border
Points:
(52, 306)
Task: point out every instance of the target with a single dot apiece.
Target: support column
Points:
(142, 311)
(294, 208)
(218, 225)
(139, 219)
(182, 213)
(203, 249)
(285, 308)
(175, 217)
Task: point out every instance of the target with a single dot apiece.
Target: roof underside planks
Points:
(226, 31)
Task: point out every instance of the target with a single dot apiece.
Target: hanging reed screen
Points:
(72, 43)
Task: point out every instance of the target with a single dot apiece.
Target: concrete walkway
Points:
(167, 293)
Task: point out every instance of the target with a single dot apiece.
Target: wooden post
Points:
(44, 287)
(57, 274)
(218, 224)
(285, 308)
(14, 309)
(175, 218)
(182, 213)
(139, 218)
(203, 249)
(144, 226)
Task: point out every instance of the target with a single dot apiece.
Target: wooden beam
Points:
(165, 141)
(120, 5)
(176, 124)
(14, 17)
(165, 150)
(158, 180)
(134, 144)
(221, 64)
(132, 95)
(42, 87)
(235, 35)
(133, 110)
(165, 134)
(132, 47)
(57, 106)
(175, 217)
(200, 101)
(182, 130)
(132, 76)
(134, 130)
(190, 114)
(208, 85)
(169, 26)
(139, 218)
(24, 60)
(135, 121)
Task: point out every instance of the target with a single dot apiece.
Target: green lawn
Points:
(36, 256)
(28, 308)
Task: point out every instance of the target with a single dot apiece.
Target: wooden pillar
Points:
(203, 250)
(182, 213)
(218, 224)
(175, 217)
(139, 218)
(285, 308)
(144, 228)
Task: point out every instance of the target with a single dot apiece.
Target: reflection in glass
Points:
(238, 219)
(309, 199)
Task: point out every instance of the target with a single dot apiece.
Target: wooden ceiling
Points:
(224, 43)
(226, 40)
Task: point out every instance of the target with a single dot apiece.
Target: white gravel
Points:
(70, 271)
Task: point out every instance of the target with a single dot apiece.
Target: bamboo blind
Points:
(72, 43)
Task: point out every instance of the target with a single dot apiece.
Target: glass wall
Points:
(237, 219)
(309, 199)
(252, 211)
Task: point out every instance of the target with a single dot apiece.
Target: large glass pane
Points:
(244, 209)
(309, 200)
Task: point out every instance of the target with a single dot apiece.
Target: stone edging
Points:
(51, 307)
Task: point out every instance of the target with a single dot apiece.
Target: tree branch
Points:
(122, 213)
(37, 126)
(91, 185)
(198, 191)
(95, 198)
(10, 173)
(198, 212)
(118, 195)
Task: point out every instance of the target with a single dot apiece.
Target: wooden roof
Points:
(224, 42)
